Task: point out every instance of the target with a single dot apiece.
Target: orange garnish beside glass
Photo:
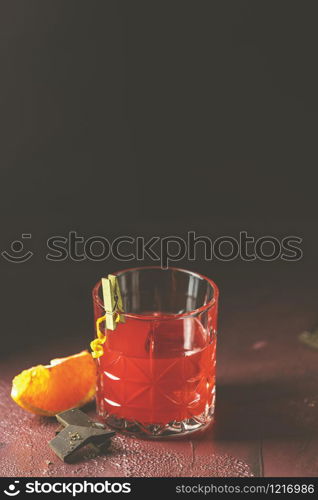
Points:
(63, 384)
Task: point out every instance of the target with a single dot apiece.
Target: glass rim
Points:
(193, 312)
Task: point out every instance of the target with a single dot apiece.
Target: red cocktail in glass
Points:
(157, 374)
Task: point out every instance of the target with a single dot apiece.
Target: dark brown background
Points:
(150, 118)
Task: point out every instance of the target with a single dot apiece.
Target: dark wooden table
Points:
(266, 420)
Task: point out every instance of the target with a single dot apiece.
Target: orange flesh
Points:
(49, 389)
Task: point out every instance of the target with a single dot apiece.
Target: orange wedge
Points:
(63, 384)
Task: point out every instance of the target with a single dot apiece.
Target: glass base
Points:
(173, 429)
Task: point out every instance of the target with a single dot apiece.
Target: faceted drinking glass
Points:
(156, 377)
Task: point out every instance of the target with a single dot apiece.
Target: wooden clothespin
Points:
(113, 303)
(114, 310)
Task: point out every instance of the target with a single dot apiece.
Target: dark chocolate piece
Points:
(79, 431)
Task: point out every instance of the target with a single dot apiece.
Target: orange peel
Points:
(65, 383)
